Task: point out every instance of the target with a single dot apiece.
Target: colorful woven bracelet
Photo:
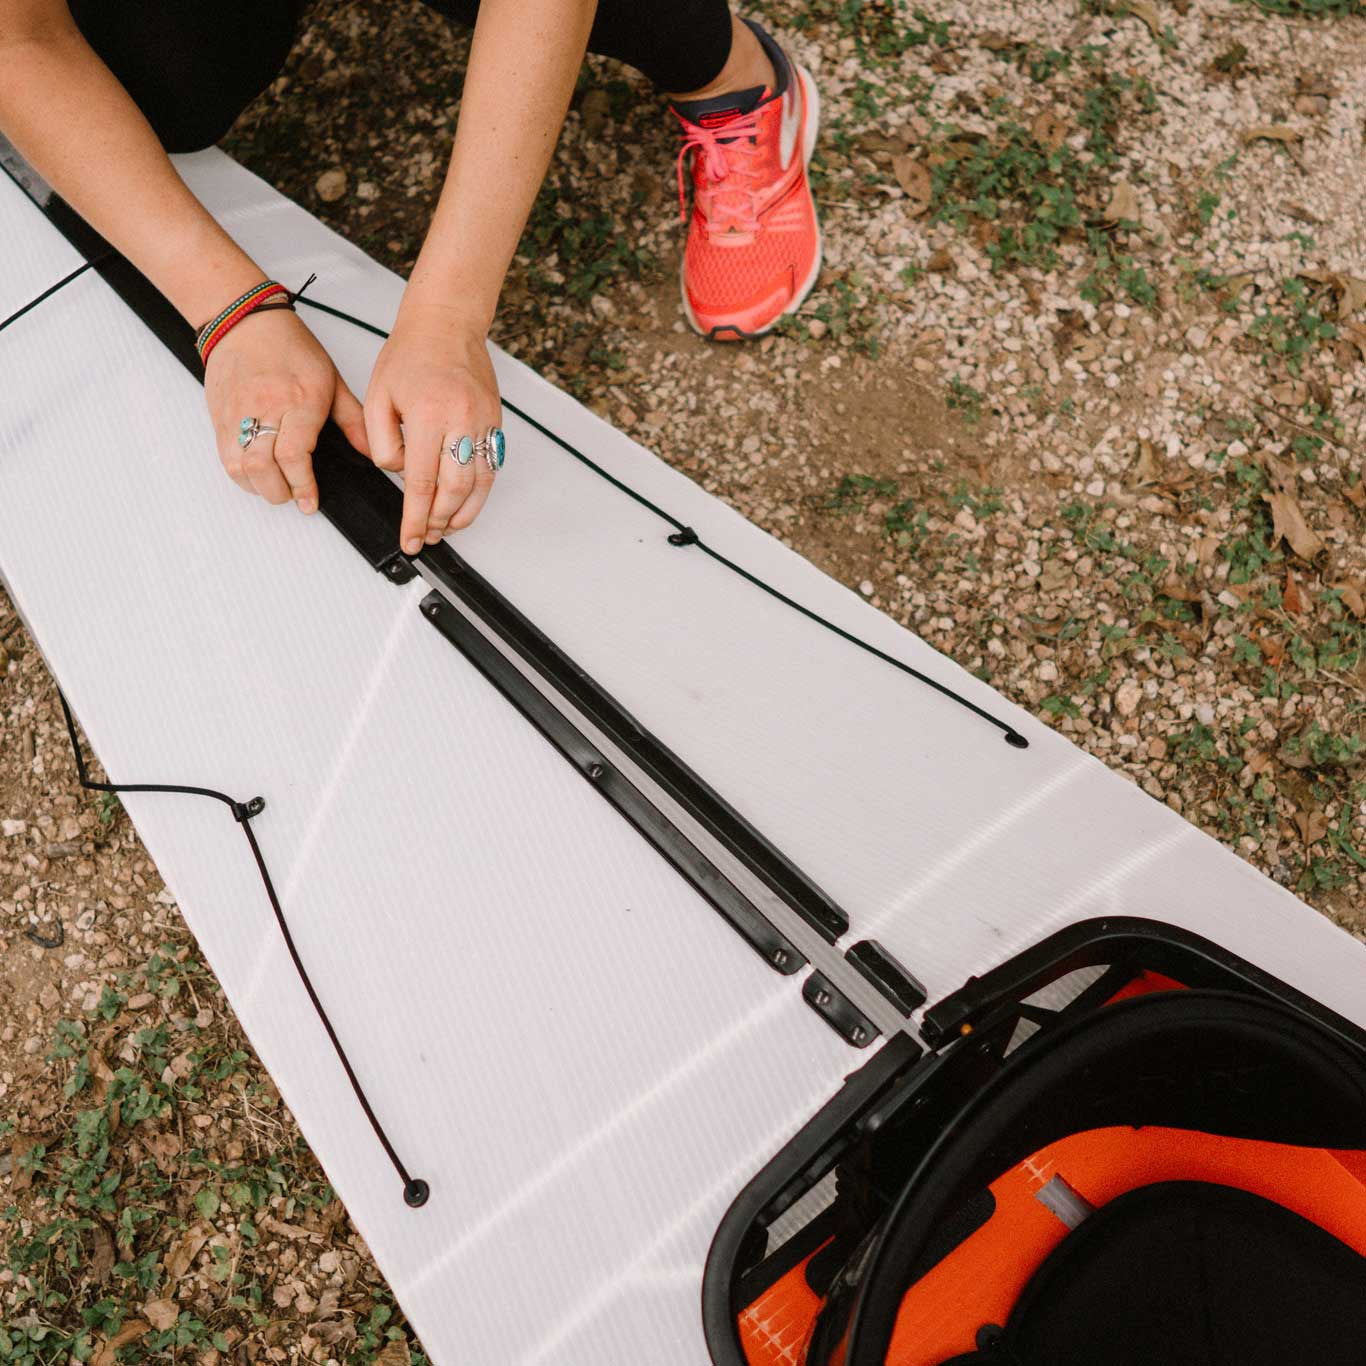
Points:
(213, 332)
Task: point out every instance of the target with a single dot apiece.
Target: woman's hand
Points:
(435, 378)
(272, 367)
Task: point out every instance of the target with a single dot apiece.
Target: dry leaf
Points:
(1272, 132)
(1049, 129)
(1356, 495)
(914, 178)
(165, 1148)
(1288, 524)
(21, 1145)
(1182, 590)
(997, 42)
(1147, 11)
(1123, 205)
(101, 1255)
(986, 233)
(1287, 520)
(1315, 83)
(1312, 825)
(395, 1353)
(1355, 333)
(283, 1230)
(941, 261)
(1349, 290)
(1352, 599)
(1291, 597)
(1300, 214)
(1352, 295)
(130, 1332)
(186, 1248)
(1148, 468)
(874, 142)
(162, 1314)
(1290, 393)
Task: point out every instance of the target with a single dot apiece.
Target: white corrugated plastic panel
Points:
(575, 1050)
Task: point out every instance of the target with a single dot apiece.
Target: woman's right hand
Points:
(271, 367)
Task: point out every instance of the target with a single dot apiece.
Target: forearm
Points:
(72, 121)
(523, 63)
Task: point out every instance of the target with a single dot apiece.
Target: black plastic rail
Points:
(365, 506)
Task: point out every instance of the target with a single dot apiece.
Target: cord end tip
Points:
(416, 1193)
(1015, 740)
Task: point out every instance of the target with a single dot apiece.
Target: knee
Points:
(191, 68)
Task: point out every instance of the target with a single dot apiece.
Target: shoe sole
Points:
(728, 331)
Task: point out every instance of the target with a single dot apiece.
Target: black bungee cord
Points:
(684, 535)
(415, 1190)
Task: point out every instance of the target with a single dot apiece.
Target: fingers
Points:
(350, 417)
(290, 456)
(478, 496)
(230, 453)
(383, 433)
(455, 484)
(422, 461)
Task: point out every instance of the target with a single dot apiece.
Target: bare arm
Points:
(434, 373)
(523, 63)
(71, 119)
(62, 108)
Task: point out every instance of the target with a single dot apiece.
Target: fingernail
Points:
(412, 545)
(433, 537)
(307, 505)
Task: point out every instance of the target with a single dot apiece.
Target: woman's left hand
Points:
(434, 377)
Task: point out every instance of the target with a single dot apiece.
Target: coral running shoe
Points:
(754, 245)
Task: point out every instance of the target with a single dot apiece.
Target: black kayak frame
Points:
(908, 1095)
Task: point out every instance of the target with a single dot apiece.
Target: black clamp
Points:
(685, 535)
(244, 811)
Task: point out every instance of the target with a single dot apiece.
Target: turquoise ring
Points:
(493, 447)
(462, 451)
(252, 427)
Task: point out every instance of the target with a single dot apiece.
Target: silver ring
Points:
(492, 446)
(462, 451)
(252, 427)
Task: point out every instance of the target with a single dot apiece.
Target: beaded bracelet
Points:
(213, 332)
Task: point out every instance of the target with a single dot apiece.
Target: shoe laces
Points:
(728, 156)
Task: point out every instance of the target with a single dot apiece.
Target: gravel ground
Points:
(1078, 398)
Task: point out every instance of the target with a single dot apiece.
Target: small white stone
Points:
(12, 828)
(331, 185)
